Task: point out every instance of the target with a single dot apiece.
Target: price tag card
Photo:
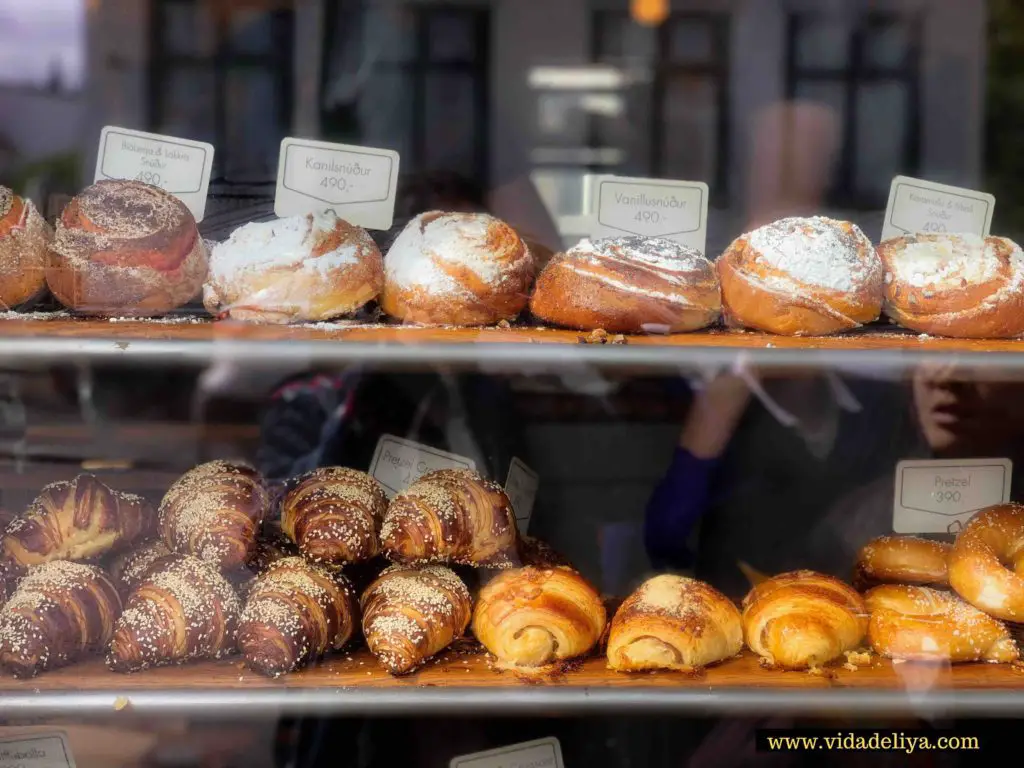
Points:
(178, 166)
(398, 463)
(521, 487)
(357, 183)
(924, 206)
(542, 753)
(940, 496)
(38, 750)
(674, 210)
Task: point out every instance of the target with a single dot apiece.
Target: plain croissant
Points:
(537, 616)
(803, 619)
(673, 622)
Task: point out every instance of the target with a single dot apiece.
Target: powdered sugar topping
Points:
(637, 251)
(818, 251)
(957, 260)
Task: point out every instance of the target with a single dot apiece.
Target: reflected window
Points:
(868, 74)
(674, 118)
(224, 74)
(410, 77)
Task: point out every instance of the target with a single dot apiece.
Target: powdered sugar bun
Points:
(628, 284)
(802, 277)
(955, 284)
(24, 239)
(457, 269)
(126, 248)
(299, 269)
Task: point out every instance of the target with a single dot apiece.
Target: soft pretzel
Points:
(986, 566)
(803, 619)
(672, 622)
(923, 624)
(903, 560)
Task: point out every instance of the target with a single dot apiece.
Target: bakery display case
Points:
(490, 371)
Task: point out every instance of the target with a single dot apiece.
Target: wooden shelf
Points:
(356, 682)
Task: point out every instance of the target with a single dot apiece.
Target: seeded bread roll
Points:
(129, 569)
(955, 285)
(463, 269)
(801, 277)
(628, 285)
(126, 248)
(213, 512)
(24, 241)
(299, 269)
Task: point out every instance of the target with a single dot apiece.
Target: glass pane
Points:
(252, 109)
(386, 114)
(831, 95)
(187, 29)
(822, 43)
(389, 32)
(187, 105)
(450, 123)
(626, 128)
(251, 31)
(619, 39)
(882, 115)
(452, 37)
(692, 42)
(690, 128)
(887, 47)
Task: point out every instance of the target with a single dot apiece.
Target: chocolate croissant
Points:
(803, 619)
(184, 610)
(409, 614)
(673, 622)
(533, 617)
(60, 612)
(213, 512)
(334, 514)
(451, 516)
(80, 519)
(295, 613)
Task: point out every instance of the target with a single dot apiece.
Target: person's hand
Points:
(714, 414)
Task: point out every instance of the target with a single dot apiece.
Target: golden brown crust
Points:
(673, 622)
(81, 519)
(451, 516)
(295, 613)
(628, 285)
(803, 619)
(60, 612)
(463, 269)
(130, 568)
(267, 273)
(410, 614)
(904, 560)
(986, 566)
(955, 285)
(534, 617)
(922, 624)
(334, 515)
(184, 610)
(213, 512)
(25, 238)
(126, 248)
(801, 277)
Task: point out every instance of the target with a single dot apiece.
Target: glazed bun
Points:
(955, 285)
(299, 269)
(126, 248)
(628, 285)
(24, 240)
(801, 277)
(464, 269)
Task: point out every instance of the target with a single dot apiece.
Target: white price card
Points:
(542, 753)
(357, 183)
(179, 166)
(38, 750)
(918, 206)
(398, 463)
(674, 210)
(521, 488)
(939, 496)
